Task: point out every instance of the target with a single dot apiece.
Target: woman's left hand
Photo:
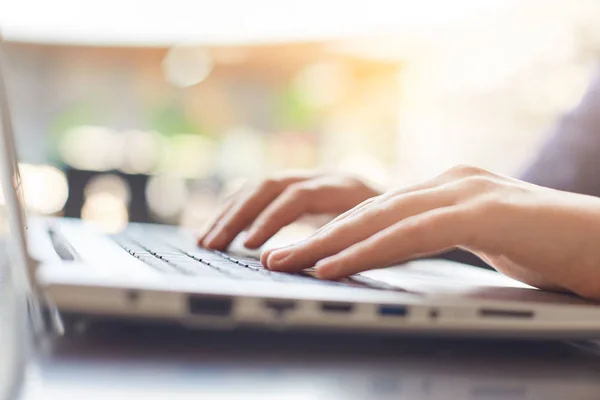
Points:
(543, 237)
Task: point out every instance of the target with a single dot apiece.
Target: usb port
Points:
(212, 306)
(280, 306)
(392, 311)
(337, 307)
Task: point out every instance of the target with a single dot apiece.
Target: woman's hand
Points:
(543, 237)
(270, 205)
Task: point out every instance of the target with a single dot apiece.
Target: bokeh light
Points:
(198, 208)
(322, 84)
(106, 199)
(105, 211)
(166, 196)
(111, 184)
(474, 86)
(187, 65)
(92, 148)
(189, 156)
(45, 188)
(242, 154)
(141, 151)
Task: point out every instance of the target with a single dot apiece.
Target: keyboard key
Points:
(158, 264)
(200, 270)
(163, 255)
(296, 278)
(243, 259)
(363, 281)
(249, 262)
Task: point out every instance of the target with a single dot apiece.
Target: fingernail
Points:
(201, 238)
(250, 239)
(277, 257)
(265, 256)
(203, 241)
(202, 234)
(204, 231)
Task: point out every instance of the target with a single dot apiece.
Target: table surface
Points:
(159, 362)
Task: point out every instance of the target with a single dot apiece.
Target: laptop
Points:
(158, 273)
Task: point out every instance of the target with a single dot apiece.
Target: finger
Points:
(265, 254)
(285, 209)
(437, 181)
(425, 234)
(444, 178)
(361, 207)
(359, 227)
(228, 202)
(346, 214)
(242, 213)
(215, 219)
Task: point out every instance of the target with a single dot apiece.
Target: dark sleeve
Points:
(570, 158)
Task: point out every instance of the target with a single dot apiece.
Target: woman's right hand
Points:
(272, 204)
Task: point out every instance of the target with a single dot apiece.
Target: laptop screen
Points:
(12, 217)
(15, 285)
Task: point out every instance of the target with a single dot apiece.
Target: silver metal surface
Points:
(442, 297)
(13, 334)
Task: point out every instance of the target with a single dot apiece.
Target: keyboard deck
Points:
(164, 256)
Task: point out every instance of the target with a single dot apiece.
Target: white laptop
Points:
(158, 273)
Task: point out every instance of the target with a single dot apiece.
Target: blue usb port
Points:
(392, 311)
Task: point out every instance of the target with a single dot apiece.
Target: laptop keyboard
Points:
(164, 257)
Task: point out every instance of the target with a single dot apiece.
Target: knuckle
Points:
(467, 170)
(480, 183)
(376, 211)
(298, 191)
(269, 183)
(490, 206)
(338, 232)
(353, 180)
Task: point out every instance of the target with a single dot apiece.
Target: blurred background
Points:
(131, 110)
